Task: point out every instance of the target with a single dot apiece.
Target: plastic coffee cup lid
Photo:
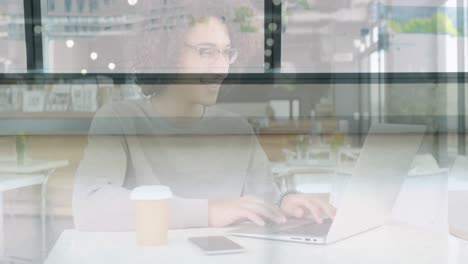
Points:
(151, 192)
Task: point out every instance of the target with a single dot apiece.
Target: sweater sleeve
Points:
(100, 200)
(259, 180)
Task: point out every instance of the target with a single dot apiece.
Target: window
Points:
(13, 48)
(341, 35)
(322, 36)
(142, 36)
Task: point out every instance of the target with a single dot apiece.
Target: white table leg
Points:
(463, 251)
(3, 257)
(2, 227)
(43, 221)
(458, 251)
(44, 215)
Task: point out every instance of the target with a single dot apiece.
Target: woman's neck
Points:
(183, 111)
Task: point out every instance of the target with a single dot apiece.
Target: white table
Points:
(391, 244)
(457, 209)
(458, 250)
(458, 222)
(14, 176)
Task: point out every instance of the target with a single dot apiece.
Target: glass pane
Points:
(298, 126)
(465, 102)
(152, 36)
(320, 36)
(373, 36)
(13, 47)
(436, 107)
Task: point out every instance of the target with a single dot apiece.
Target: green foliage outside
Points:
(243, 16)
(304, 4)
(416, 104)
(20, 148)
(193, 20)
(286, 12)
(284, 17)
(438, 23)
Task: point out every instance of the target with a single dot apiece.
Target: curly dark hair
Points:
(160, 45)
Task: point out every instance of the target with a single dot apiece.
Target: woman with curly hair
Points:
(177, 137)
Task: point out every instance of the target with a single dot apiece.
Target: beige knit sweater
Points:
(129, 145)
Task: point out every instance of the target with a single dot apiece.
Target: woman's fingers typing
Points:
(311, 208)
(327, 208)
(270, 211)
(251, 216)
(227, 212)
(266, 212)
(307, 205)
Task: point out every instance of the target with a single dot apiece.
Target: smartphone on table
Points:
(214, 245)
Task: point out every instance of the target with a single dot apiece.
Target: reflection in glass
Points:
(340, 36)
(13, 48)
(51, 5)
(68, 5)
(140, 36)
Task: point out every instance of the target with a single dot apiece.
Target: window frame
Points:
(271, 75)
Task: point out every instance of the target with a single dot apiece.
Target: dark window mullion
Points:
(237, 78)
(272, 29)
(33, 35)
(461, 80)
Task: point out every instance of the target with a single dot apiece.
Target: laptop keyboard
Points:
(292, 227)
(310, 229)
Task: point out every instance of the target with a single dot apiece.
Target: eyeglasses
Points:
(210, 54)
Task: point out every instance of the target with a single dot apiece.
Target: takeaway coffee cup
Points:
(151, 220)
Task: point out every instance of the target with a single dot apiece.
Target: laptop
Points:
(368, 196)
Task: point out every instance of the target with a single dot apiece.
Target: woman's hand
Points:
(307, 205)
(226, 212)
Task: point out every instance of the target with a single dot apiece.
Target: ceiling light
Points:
(93, 55)
(70, 43)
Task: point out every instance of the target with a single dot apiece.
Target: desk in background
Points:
(390, 244)
(14, 176)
